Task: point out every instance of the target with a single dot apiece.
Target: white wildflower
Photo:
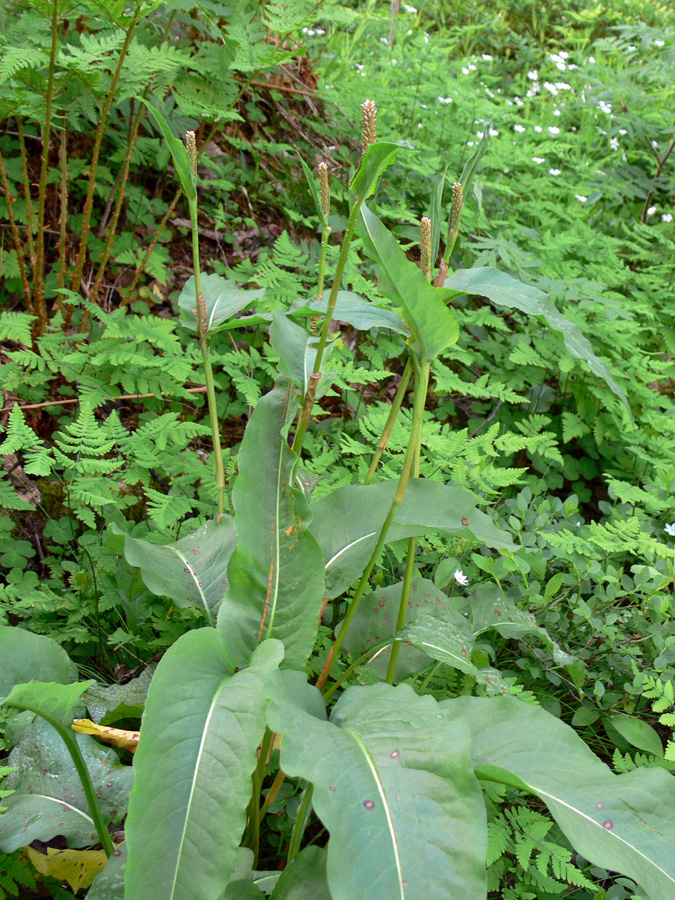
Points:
(554, 171)
(538, 159)
(461, 578)
(651, 210)
(669, 528)
(533, 75)
(580, 198)
(519, 128)
(667, 217)
(553, 129)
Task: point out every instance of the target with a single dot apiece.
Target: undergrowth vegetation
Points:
(338, 447)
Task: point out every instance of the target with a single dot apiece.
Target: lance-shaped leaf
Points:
(374, 163)
(432, 324)
(223, 297)
(199, 735)
(357, 312)
(625, 823)
(490, 609)
(508, 292)
(30, 657)
(314, 191)
(296, 348)
(181, 157)
(276, 574)
(49, 798)
(191, 571)
(347, 522)
(393, 785)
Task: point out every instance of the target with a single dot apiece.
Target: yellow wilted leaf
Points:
(77, 867)
(127, 740)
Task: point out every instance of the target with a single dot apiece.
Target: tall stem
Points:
(202, 327)
(391, 419)
(91, 187)
(16, 237)
(63, 223)
(38, 269)
(30, 216)
(422, 379)
(306, 412)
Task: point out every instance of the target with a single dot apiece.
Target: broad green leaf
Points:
(490, 609)
(191, 571)
(243, 889)
(625, 823)
(374, 163)
(200, 731)
(223, 298)
(30, 657)
(109, 885)
(376, 617)
(293, 344)
(394, 786)
(181, 157)
(304, 878)
(49, 799)
(276, 574)
(638, 733)
(54, 702)
(347, 522)
(508, 292)
(472, 162)
(442, 637)
(432, 324)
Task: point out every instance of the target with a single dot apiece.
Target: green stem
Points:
(369, 655)
(273, 793)
(202, 328)
(403, 607)
(391, 419)
(88, 787)
(306, 413)
(422, 378)
(300, 823)
(436, 666)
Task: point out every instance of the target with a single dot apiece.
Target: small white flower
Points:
(556, 112)
(538, 159)
(409, 9)
(445, 99)
(554, 171)
(461, 578)
(493, 132)
(580, 198)
(533, 75)
(519, 128)
(591, 60)
(614, 143)
(669, 528)
(667, 217)
(659, 43)
(651, 210)
(487, 57)
(553, 129)
(538, 129)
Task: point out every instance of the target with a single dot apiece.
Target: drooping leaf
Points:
(223, 298)
(358, 313)
(293, 344)
(444, 638)
(625, 823)
(116, 737)
(276, 573)
(394, 787)
(180, 155)
(49, 799)
(304, 878)
(374, 163)
(347, 522)
(197, 751)
(472, 162)
(376, 617)
(191, 571)
(508, 292)
(490, 609)
(110, 703)
(432, 324)
(30, 657)
(314, 191)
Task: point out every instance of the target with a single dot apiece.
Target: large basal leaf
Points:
(394, 787)
(374, 163)
(199, 735)
(293, 345)
(223, 297)
(110, 703)
(625, 823)
(30, 657)
(375, 621)
(49, 799)
(358, 313)
(347, 522)
(490, 609)
(508, 292)
(433, 325)
(276, 574)
(191, 571)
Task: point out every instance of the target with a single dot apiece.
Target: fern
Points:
(22, 439)
(15, 326)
